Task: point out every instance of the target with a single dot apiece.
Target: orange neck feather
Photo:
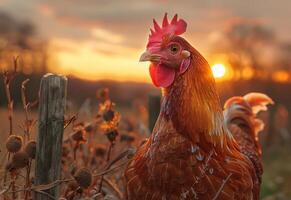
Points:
(193, 105)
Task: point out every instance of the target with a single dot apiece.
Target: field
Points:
(96, 147)
(277, 159)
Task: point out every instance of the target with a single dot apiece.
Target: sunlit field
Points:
(104, 100)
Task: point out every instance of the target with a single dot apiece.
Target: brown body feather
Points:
(190, 154)
(240, 117)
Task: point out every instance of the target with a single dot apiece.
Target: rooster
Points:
(191, 154)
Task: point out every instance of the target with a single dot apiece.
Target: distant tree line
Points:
(20, 38)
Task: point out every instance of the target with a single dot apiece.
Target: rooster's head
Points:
(168, 53)
(189, 86)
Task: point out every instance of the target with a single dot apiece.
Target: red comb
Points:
(175, 27)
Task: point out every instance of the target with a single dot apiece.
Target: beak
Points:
(146, 56)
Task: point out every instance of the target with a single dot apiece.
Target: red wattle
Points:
(162, 76)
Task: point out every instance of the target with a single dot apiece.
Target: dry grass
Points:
(95, 151)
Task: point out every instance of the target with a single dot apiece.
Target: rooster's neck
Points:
(193, 105)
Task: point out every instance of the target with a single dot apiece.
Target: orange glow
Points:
(247, 73)
(280, 76)
(94, 60)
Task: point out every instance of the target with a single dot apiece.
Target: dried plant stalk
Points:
(8, 78)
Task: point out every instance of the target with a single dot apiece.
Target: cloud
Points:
(120, 28)
(106, 35)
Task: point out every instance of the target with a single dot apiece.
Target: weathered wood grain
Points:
(52, 103)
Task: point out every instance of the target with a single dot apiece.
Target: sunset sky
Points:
(102, 39)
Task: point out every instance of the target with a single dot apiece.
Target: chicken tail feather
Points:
(258, 101)
(243, 110)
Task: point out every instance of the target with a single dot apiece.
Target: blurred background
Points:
(97, 44)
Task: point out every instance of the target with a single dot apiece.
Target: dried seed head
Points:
(14, 143)
(20, 160)
(108, 115)
(100, 150)
(30, 149)
(111, 135)
(79, 135)
(83, 177)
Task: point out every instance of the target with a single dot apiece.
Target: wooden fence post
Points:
(154, 110)
(52, 103)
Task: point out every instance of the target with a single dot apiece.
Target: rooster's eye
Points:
(174, 48)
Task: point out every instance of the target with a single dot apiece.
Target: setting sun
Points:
(218, 70)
